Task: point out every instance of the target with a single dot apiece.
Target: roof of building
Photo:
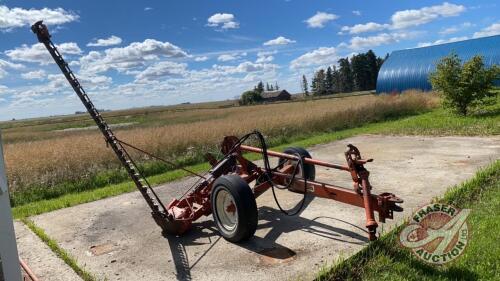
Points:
(410, 68)
(272, 94)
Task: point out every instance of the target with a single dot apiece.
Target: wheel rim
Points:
(226, 210)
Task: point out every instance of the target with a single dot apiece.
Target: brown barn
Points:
(275, 96)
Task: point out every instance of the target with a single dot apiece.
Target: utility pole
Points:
(8, 246)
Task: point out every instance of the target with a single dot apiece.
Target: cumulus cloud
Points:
(201, 58)
(491, 30)
(19, 17)
(359, 43)
(38, 53)
(253, 67)
(356, 13)
(455, 28)
(226, 57)
(4, 65)
(280, 40)
(113, 40)
(320, 19)
(361, 28)
(161, 70)
(409, 18)
(37, 74)
(89, 81)
(223, 21)
(232, 56)
(263, 57)
(320, 56)
(131, 56)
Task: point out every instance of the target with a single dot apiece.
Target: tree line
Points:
(356, 74)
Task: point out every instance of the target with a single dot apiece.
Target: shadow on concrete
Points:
(266, 246)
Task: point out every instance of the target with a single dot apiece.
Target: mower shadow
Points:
(265, 246)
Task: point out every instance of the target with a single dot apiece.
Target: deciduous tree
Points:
(463, 86)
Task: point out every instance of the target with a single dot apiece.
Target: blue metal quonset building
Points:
(410, 68)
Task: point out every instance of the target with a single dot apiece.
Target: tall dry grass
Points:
(77, 156)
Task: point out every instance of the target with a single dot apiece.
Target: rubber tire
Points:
(245, 205)
(309, 170)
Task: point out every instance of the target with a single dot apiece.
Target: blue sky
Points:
(142, 53)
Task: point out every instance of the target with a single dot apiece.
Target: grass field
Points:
(44, 163)
(386, 260)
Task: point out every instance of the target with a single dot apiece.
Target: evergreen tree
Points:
(360, 72)
(260, 87)
(305, 86)
(373, 67)
(271, 88)
(267, 87)
(276, 87)
(336, 80)
(329, 81)
(346, 80)
(318, 83)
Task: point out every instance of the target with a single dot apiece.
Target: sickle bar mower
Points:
(224, 191)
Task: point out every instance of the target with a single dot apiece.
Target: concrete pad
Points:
(116, 238)
(41, 260)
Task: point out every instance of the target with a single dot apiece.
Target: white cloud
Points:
(113, 40)
(491, 30)
(253, 67)
(442, 41)
(409, 18)
(356, 13)
(37, 74)
(359, 43)
(89, 82)
(148, 9)
(161, 70)
(232, 56)
(223, 21)
(226, 57)
(320, 56)
(320, 19)
(361, 28)
(280, 40)
(8, 65)
(455, 28)
(38, 53)
(129, 57)
(19, 17)
(263, 57)
(201, 58)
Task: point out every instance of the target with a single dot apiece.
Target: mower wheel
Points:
(234, 209)
(306, 171)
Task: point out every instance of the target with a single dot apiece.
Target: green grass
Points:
(384, 259)
(61, 253)
(110, 183)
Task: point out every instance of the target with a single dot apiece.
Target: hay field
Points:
(47, 157)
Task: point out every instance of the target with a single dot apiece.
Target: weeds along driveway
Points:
(116, 238)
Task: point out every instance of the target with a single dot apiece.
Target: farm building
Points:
(275, 96)
(410, 68)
